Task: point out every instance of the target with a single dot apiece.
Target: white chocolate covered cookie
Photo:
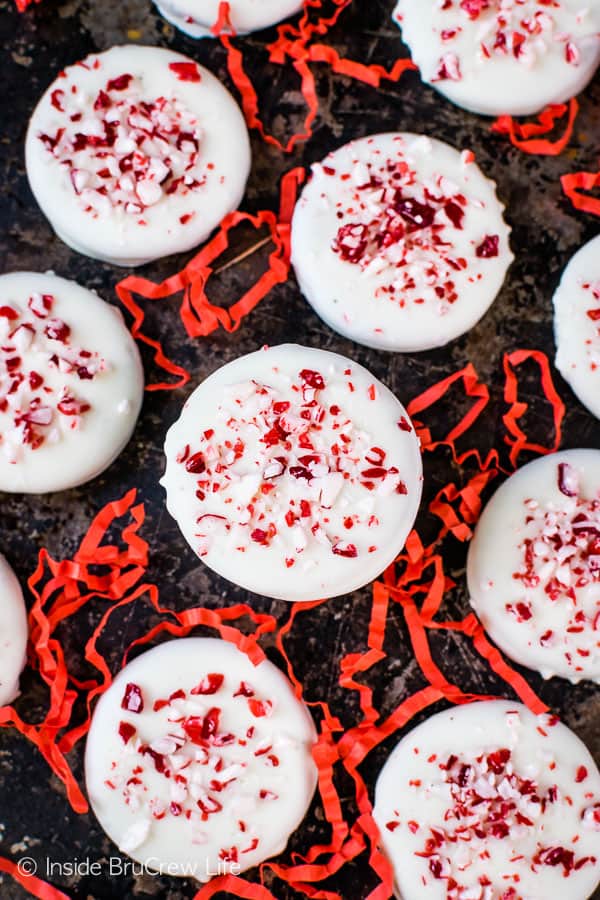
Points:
(399, 242)
(294, 473)
(503, 56)
(136, 153)
(577, 325)
(198, 762)
(71, 383)
(490, 802)
(13, 633)
(534, 566)
(197, 17)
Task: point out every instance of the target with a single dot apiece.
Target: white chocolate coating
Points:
(196, 17)
(71, 383)
(13, 633)
(214, 780)
(288, 489)
(399, 242)
(534, 566)
(503, 56)
(577, 325)
(489, 802)
(136, 153)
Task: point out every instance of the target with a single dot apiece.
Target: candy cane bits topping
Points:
(32, 338)
(561, 555)
(524, 30)
(488, 801)
(195, 768)
(406, 228)
(126, 151)
(279, 465)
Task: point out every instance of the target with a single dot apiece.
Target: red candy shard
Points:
(119, 84)
(343, 548)
(260, 708)
(132, 699)
(568, 480)
(210, 726)
(57, 330)
(209, 685)
(126, 731)
(186, 71)
(195, 464)
(489, 247)
(244, 690)
(416, 215)
(312, 379)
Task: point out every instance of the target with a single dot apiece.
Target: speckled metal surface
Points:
(35, 819)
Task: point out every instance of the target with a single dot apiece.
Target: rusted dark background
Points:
(35, 819)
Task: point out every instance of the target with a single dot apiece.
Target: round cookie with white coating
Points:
(534, 566)
(497, 57)
(489, 801)
(294, 473)
(197, 17)
(577, 325)
(71, 383)
(136, 153)
(13, 633)
(399, 242)
(198, 762)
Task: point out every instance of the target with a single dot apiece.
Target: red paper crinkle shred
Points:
(199, 316)
(528, 136)
(517, 439)
(109, 571)
(34, 886)
(296, 44)
(577, 186)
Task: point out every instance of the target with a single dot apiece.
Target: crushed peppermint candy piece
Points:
(577, 325)
(534, 566)
(288, 473)
(399, 245)
(119, 159)
(66, 364)
(498, 57)
(487, 802)
(184, 767)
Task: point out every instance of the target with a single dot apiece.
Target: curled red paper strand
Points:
(575, 183)
(200, 317)
(517, 439)
(296, 44)
(527, 136)
(33, 885)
